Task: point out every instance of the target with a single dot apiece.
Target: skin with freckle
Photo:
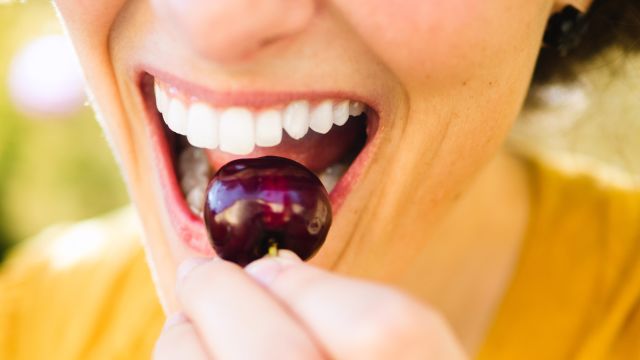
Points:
(446, 78)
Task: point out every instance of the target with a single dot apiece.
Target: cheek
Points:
(88, 24)
(465, 66)
(89, 19)
(441, 42)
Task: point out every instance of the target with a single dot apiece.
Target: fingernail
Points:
(288, 256)
(174, 319)
(264, 271)
(188, 265)
(268, 268)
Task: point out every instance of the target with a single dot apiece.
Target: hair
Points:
(611, 24)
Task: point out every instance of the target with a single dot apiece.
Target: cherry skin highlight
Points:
(253, 204)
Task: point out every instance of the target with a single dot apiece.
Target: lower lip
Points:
(189, 227)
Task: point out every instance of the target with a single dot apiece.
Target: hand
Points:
(282, 308)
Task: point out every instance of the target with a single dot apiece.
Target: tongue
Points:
(315, 151)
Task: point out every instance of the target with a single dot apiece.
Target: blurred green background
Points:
(57, 167)
(53, 168)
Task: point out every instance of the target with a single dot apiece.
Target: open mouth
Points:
(197, 131)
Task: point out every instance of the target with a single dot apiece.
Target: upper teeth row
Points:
(237, 130)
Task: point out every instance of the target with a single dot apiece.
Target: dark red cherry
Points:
(252, 204)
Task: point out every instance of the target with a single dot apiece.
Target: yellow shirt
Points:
(83, 291)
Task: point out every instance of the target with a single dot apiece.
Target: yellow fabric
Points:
(80, 292)
(84, 292)
(575, 292)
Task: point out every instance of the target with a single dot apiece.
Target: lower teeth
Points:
(194, 173)
(194, 177)
(330, 176)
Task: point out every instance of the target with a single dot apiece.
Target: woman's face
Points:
(442, 82)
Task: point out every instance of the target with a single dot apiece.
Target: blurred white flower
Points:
(45, 78)
(560, 107)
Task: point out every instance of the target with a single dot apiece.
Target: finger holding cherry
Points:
(282, 308)
(277, 306)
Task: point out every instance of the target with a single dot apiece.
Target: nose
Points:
(231, 30)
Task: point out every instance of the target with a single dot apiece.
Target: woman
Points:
(444, 243)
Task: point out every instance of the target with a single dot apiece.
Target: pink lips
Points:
(190, 228)
(250, 99)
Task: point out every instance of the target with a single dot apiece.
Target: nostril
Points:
(232, 30)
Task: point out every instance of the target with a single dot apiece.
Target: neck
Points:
(465, 268)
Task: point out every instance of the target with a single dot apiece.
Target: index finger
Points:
(237, 319)
(356, 319)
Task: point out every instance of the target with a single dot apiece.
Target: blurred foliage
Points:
(51, 170)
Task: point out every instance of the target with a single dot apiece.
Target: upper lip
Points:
(251, 98)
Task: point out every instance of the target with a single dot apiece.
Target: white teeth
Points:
(269, 128)
(341, 112)
(331, 175)
(161, 98)
(194, 161)
(176, 117)
(196, 199)
(237, 131)
(194, 177)
(321, 118)
(296, 119)
(356, 108)
(202, 126)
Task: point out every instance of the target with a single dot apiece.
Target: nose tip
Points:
(230, 30)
